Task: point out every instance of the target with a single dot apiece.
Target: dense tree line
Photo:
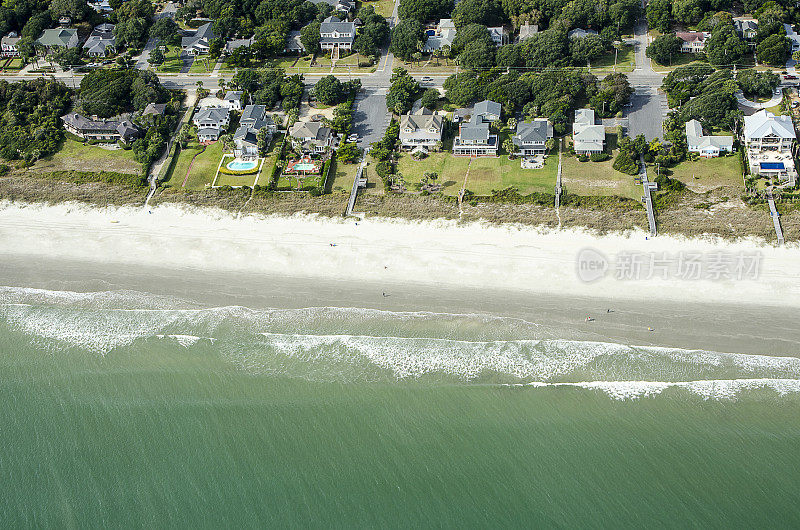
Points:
(29, 118)
(108, 93)
(700, 92)
(268, 86)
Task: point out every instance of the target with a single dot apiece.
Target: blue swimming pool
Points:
(242, 165)
(772, 166)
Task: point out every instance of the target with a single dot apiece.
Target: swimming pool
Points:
(242, 165)
(304, 166)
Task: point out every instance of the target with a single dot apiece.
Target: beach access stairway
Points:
(776, 218)
(359, 182)
(558, 178)
(648, 199)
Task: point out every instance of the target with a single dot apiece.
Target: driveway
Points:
(370, 117)
(646, 115)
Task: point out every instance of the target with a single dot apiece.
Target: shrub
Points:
(583, 158)
(383, 169)
(599, 157)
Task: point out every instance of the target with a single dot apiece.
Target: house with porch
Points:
(233, 100)
(199, 42)
(101, 41)
(312, 137)
(587, 137)
(769, 140)
(442, 35)
(747, 27)
(531, 137)
(9, 45)
(692, 41)
(336, 35)
(211, 122)
(421, 129)
(706, 146)
(254, 119)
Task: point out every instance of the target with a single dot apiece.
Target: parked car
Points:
(789, 76)
(352, 138)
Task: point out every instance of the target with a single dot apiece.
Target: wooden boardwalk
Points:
(648, 199)
(558, 177)
(359, 182)
(776, 218)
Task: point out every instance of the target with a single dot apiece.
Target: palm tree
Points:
(417, 56)
(445, 52)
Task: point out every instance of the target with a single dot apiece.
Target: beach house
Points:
(9, 45)
(474, 136)
(336, 35)
(254, 119)
(531, 137)
(211, 122)
(706, 146)
(421, 129)
(769, 140)
(587, 137)
(312, 137)
(233, 100)
(99, 130)
(101, 41)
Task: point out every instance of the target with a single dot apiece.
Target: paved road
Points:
(370, 117)
(646, 115)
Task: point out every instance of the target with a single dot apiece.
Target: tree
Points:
(615, 91)
(156, 57)
(464, 89)
(404, 39)
(328, 90)
(403, 91)
(68, 57)
(755, 83)
(421, 10)
(309, 37)
(430, 98)
(724, 46)
(470, 34)
(689, 12)
(509, 56)
(664, 48)
(774, 50)
(77, 10)
(477, 54)
(165, 30)
(509, 147)
(587, 49)
(348, 153)
(486, 12)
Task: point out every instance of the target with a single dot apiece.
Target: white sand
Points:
(441, 253)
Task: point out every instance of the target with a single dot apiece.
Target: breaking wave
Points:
(364, 345)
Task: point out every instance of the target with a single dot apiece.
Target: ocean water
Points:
(127, 409)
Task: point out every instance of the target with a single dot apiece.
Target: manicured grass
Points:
(172, 61)
(76, 156)
(680, 59)
(202, 170)
(626, 61)
(596, 178)
(346, 175)
(14, 65)
(382, 7)
(203, 64)
(485, 174)
(236, 180)
(709, 173)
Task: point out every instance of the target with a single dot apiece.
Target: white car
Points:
(352, 138)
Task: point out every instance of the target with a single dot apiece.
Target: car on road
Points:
(426, 78)
(789, 76)
(352, 138)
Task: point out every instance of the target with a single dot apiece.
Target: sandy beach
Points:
(427, 253)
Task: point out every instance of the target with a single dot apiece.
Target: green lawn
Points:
(76, 156)
(596, 178)
(709, 173)
(14, 65)
(382, 7)
(203, 64)
(202, 170)
(346, 175)
(680, 59)
(626, 61)
(172, 61)
(485, 174)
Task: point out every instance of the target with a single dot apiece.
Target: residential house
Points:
(763, 131)
(293, 43)
(198, 42)
(254, 120)
(442, 35)
(100, 130)
(527, 31)
(9, 45)
(580, 33)
(474, 137)
(531, 137)
(336, 35)
(101, 6)
(421, 130)
(234, 44)
(233, 100)
(345, 6)
(211, 122)
(587, 138)
(692, 41)
(793, 37)
(706, 146)
(155, 109)
(312, 137)
(58, 38)
(101, 41)
(747, 27)
(498, 35)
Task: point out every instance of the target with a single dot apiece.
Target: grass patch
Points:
(709, 173)
(75, 156)
(626, 61)
(202, 170)
(596, 178)
(172, 61)
(202, 64)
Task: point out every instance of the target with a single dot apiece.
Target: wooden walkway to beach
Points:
(776, 218)
(648, 199)
(558, 176)
(359, 182)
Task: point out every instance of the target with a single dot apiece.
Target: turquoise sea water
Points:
(124, 409)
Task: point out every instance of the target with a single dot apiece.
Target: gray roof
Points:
(10, 40)
(311, 129)
(235, 44)
(696, 138)
(584, 116)
(217, 114)
(335, 25)
(764, 123)
(253, 113)
(208, 131)
(99, 43)
(124, 128)
(487, 107)
(57, 37)
(203, 36)
(233, 95)
(474, 130)
(246, 134)
(533, 132)
(293, 41)
(155, 108)
(580, 33)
